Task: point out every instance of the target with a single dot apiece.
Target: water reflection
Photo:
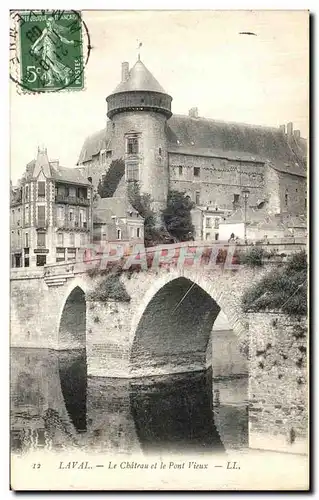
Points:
(54, 405)
(175, 413)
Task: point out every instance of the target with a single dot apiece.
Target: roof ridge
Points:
(226, 122)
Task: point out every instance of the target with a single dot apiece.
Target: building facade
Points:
(115, 221)
(51, 214)
(211, 161)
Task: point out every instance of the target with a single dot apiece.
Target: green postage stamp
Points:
(49, 48)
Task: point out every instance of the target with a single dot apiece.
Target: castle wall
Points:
(218, 179)
(296, 189)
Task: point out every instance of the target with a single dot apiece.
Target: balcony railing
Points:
(63, 224)
(71, 200)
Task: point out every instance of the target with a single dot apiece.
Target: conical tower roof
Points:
(140, 79)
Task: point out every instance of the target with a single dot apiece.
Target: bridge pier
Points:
(107, 339)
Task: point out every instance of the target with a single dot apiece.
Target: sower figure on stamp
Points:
(48, 42)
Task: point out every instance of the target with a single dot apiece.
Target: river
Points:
(56, 405)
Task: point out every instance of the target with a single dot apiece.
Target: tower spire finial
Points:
(138, 50)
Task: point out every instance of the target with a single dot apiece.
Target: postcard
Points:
(159, 250)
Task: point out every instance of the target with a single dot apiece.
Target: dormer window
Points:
(132, 146)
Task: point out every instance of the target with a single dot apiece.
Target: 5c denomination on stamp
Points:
(47, 50)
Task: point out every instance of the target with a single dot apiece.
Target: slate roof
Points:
(69, 175)
(140, 78)
(211, 138)
(92, 146)
(108, 207)
(244, 141)
(254, 216)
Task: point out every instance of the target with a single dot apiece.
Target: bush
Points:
(253, 257)
(111, 288)
(283, 289)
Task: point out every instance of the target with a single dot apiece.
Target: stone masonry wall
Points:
(218, 180)
(278, 382)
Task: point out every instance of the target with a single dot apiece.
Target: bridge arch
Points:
(171, 328)
(72, 320)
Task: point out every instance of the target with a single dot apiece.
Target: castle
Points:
(216, 164)
(213, 162)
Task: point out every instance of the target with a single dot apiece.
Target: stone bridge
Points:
(152, 322)
(167, 320)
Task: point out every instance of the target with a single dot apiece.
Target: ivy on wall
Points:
(283, 289)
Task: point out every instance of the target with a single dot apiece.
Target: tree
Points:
(142, 204)
(107, 186)
(177, 216)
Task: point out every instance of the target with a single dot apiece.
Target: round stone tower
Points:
(138, 109)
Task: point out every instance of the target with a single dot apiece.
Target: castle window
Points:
(71, 239)
(208, 222)
(207, 236)
(138, 232)
(180, 170)
(197, 197)
(119, 234)
(216, 236)
(196, 171)
(27, 193)
(26, 240)
(236, 198)
(286, 199)
(160, 151)
(41, 189)
(132, 171)
(132, 145)
(216, 223)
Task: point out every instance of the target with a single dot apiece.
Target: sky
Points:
(199, 58)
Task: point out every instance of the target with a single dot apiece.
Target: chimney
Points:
(193, 113)
(290, 129)
(125, 71)
(297, 134)
(282, 128)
